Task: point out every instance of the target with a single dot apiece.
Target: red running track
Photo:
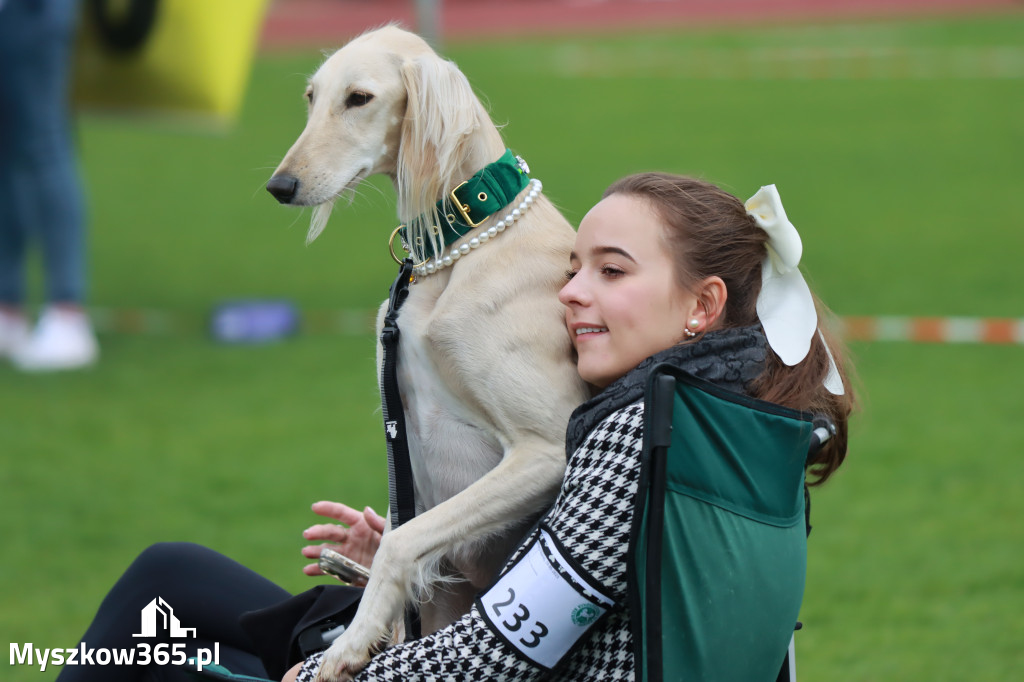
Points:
(323, 24)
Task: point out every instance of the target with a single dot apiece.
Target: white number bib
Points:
(543, 606)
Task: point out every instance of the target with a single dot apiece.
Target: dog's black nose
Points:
(283, 187)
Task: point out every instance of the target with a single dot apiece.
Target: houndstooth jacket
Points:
(591, 517)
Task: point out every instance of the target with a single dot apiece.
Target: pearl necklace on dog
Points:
(431, 265)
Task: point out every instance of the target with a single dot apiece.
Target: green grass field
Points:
(898, 150)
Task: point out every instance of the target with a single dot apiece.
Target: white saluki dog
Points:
(486, 373)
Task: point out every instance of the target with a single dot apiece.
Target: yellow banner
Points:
(179, 58)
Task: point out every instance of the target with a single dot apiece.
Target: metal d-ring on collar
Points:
(391, 246)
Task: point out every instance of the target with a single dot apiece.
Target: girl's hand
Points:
(358, 538)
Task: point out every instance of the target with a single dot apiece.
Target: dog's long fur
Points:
(485, 362)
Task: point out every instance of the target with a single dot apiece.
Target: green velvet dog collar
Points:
(490, 189)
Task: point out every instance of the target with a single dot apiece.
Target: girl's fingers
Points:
(338, 511)
(374, 520)
(326, 531)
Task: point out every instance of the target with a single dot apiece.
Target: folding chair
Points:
(718, 549)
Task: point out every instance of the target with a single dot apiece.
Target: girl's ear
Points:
(711, 297)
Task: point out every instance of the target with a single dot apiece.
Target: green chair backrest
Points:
(719, 547)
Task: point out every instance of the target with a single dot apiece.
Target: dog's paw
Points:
(349, 654)
(335, 667)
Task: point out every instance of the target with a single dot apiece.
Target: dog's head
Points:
(385, 103)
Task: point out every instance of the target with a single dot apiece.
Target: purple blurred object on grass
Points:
(254, 321)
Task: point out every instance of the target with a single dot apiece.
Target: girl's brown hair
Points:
(709, 233)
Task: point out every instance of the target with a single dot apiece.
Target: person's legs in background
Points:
(41, 200)
(13, 238)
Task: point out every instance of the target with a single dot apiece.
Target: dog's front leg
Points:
(380, 610)
(523, 483)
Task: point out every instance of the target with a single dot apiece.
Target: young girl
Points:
(665, 269)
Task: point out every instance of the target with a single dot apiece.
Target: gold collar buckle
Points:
(463, 209)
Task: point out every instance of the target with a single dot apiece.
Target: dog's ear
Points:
(441, 116)
(442, 111)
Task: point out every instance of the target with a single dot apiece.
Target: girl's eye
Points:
(611, 271)
(569, 274)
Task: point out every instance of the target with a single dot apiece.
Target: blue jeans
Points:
(41, 202)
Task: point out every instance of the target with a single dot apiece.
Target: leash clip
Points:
(389, 334)
(396, 297)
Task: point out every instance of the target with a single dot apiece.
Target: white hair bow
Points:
(785, 305)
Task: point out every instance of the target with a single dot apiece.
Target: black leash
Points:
(401, 491)
(402, 494)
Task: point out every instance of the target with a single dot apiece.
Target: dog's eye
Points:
(358, 99)
(309, 95)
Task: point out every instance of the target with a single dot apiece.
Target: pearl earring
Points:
(690, 333)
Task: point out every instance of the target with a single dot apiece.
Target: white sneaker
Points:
(13, 333)
(62, 339)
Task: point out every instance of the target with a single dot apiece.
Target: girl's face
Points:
(622, 300)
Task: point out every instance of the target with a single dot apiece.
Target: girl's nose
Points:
(570, 292)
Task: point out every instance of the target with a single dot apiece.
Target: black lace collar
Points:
(730, 358)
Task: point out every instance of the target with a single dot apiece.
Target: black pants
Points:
(206, 590)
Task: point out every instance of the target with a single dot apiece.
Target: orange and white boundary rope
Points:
(987, 330)
(977, 330)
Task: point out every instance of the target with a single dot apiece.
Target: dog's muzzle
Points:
(283, 187)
